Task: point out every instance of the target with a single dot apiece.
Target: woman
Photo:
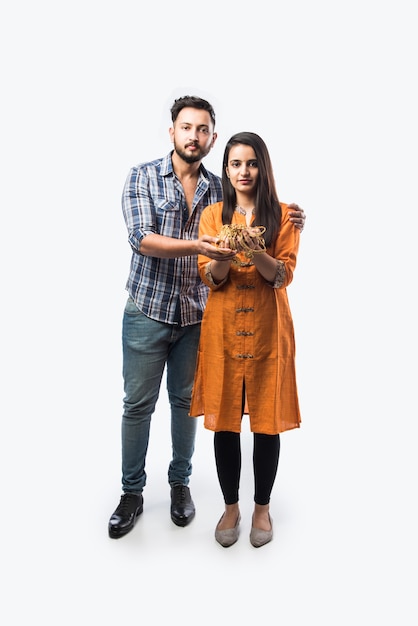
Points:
(246, 359)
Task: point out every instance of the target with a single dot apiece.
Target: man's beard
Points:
(198, 155)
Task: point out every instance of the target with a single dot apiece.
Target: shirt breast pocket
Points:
(168, 219)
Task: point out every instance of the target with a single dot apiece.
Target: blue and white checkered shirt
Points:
(153, 201)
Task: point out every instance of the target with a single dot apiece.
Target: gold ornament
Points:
(235, 235)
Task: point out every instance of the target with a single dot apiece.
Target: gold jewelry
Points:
(235, 235)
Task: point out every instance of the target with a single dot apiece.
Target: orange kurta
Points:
(247, 339)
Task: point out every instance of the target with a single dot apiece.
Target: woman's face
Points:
(242, 169)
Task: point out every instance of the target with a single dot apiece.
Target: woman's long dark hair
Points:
(268, 212)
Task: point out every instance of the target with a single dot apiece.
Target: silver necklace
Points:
(242, 211)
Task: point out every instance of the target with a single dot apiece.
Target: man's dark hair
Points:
(195, 103)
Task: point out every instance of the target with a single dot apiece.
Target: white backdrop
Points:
(87, 87)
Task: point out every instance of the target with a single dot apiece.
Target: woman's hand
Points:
(252, 239)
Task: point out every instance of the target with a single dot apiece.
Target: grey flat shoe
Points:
(229, 536)
(260, 537)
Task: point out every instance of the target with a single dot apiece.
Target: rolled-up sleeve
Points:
(137, 207)
(286, 250)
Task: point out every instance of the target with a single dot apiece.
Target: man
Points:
(162, 202)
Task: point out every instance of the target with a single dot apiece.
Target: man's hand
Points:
(207, 246)
(297, 216)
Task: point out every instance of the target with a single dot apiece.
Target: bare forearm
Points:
(170, 248)
(266, 265)
(167, 247)
(219, 270)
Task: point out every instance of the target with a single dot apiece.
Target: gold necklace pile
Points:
(234, 233)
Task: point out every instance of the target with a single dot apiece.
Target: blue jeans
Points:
(149, 346)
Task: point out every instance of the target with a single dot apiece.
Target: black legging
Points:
(228, 464)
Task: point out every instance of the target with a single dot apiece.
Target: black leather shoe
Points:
(182, 507)
(124, 517)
